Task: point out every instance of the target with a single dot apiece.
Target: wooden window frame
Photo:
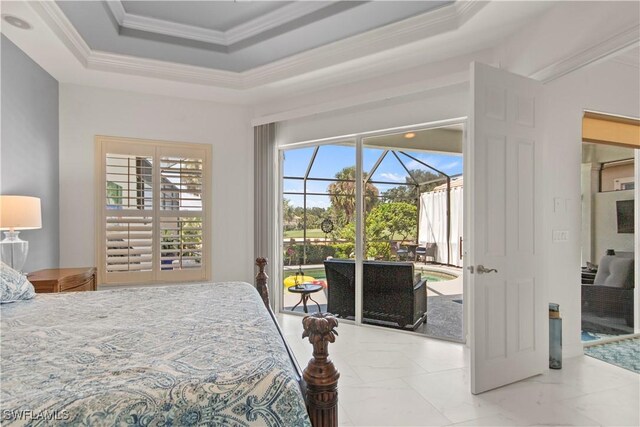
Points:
(156, 149)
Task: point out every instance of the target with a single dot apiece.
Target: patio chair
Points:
(391, 295)
(429, 250)
(611, 294)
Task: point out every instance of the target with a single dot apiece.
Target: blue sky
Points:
(333, 158)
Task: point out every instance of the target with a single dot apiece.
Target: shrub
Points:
(316, 254)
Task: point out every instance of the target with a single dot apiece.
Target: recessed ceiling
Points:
(103, 44)
(229, 36)
(219, 16)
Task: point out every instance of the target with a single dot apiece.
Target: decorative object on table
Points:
(17, 213)
(555, 337)
(299, 277)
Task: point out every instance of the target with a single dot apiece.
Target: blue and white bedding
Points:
(203, 354)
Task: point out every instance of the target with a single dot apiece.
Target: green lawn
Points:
(312, 233)
(315, 233)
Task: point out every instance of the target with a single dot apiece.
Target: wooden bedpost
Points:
(320, 374)
(261, 280)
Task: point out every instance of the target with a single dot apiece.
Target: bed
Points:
(197, 354)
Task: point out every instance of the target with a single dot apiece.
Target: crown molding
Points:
(105, 61)
(117, 9)
(272, 20)
(467, 9)
(344, 52)
(62, 27)
(399, 33)
(622, 39)
(630, 59)
(161, 26)
(254, 27)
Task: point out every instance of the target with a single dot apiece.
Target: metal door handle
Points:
(481, 269)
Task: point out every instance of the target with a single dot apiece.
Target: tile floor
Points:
(391, 378)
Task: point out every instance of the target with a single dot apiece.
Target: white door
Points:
(508, 323)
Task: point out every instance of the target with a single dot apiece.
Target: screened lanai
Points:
(413, 238)
(412, 216)
(411, 206)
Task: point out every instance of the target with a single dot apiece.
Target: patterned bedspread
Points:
(203, 354)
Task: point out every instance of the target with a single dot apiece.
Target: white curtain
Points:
(264, 195)
(433, 224)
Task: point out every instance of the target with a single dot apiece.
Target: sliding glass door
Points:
(318, 227)
(371, 229)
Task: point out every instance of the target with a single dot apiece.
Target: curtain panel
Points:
(433, 223)
(264, 137)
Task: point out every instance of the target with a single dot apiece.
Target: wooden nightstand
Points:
(64, 280)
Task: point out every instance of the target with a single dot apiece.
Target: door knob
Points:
(481, 269)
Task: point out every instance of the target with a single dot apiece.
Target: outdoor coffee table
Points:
(305, 290)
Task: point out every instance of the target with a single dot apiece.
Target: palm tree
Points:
(343, 194)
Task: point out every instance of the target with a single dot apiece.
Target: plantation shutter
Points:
(181, 213)
(153, 224)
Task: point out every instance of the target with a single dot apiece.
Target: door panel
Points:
(508, 306)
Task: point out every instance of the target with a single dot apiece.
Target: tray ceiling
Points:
(225, 35)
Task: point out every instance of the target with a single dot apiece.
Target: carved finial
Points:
(261, 262)
(320, 327)
(320, 374)
(261, 280)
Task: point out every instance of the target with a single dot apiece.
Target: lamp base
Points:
(13, 250)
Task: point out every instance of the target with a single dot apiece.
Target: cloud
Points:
(390, 176)
(293, 189)
(451, 165)
(443, 163)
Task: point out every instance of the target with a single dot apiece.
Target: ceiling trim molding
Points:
(626, 58)
(117, 9)
(236, 34)
(341, 52)
(467, 9)
(105, 61)
(161, 26)
(413, 29)
(272, 20)
(62, 27)
(618, 41)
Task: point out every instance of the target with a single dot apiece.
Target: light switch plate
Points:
(560, 236)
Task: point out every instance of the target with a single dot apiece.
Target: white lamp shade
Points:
(20, 213)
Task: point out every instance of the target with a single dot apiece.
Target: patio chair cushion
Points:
(615, 271)
(390, 292)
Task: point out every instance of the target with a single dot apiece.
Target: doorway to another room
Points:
(607, 276)
(609, 295)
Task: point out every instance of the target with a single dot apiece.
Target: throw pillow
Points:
(14, 286)
(621, 273)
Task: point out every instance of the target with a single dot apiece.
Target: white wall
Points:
(86, 112)
(608, 87)
(429, 106)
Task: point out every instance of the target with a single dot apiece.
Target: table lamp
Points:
(17, 213)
